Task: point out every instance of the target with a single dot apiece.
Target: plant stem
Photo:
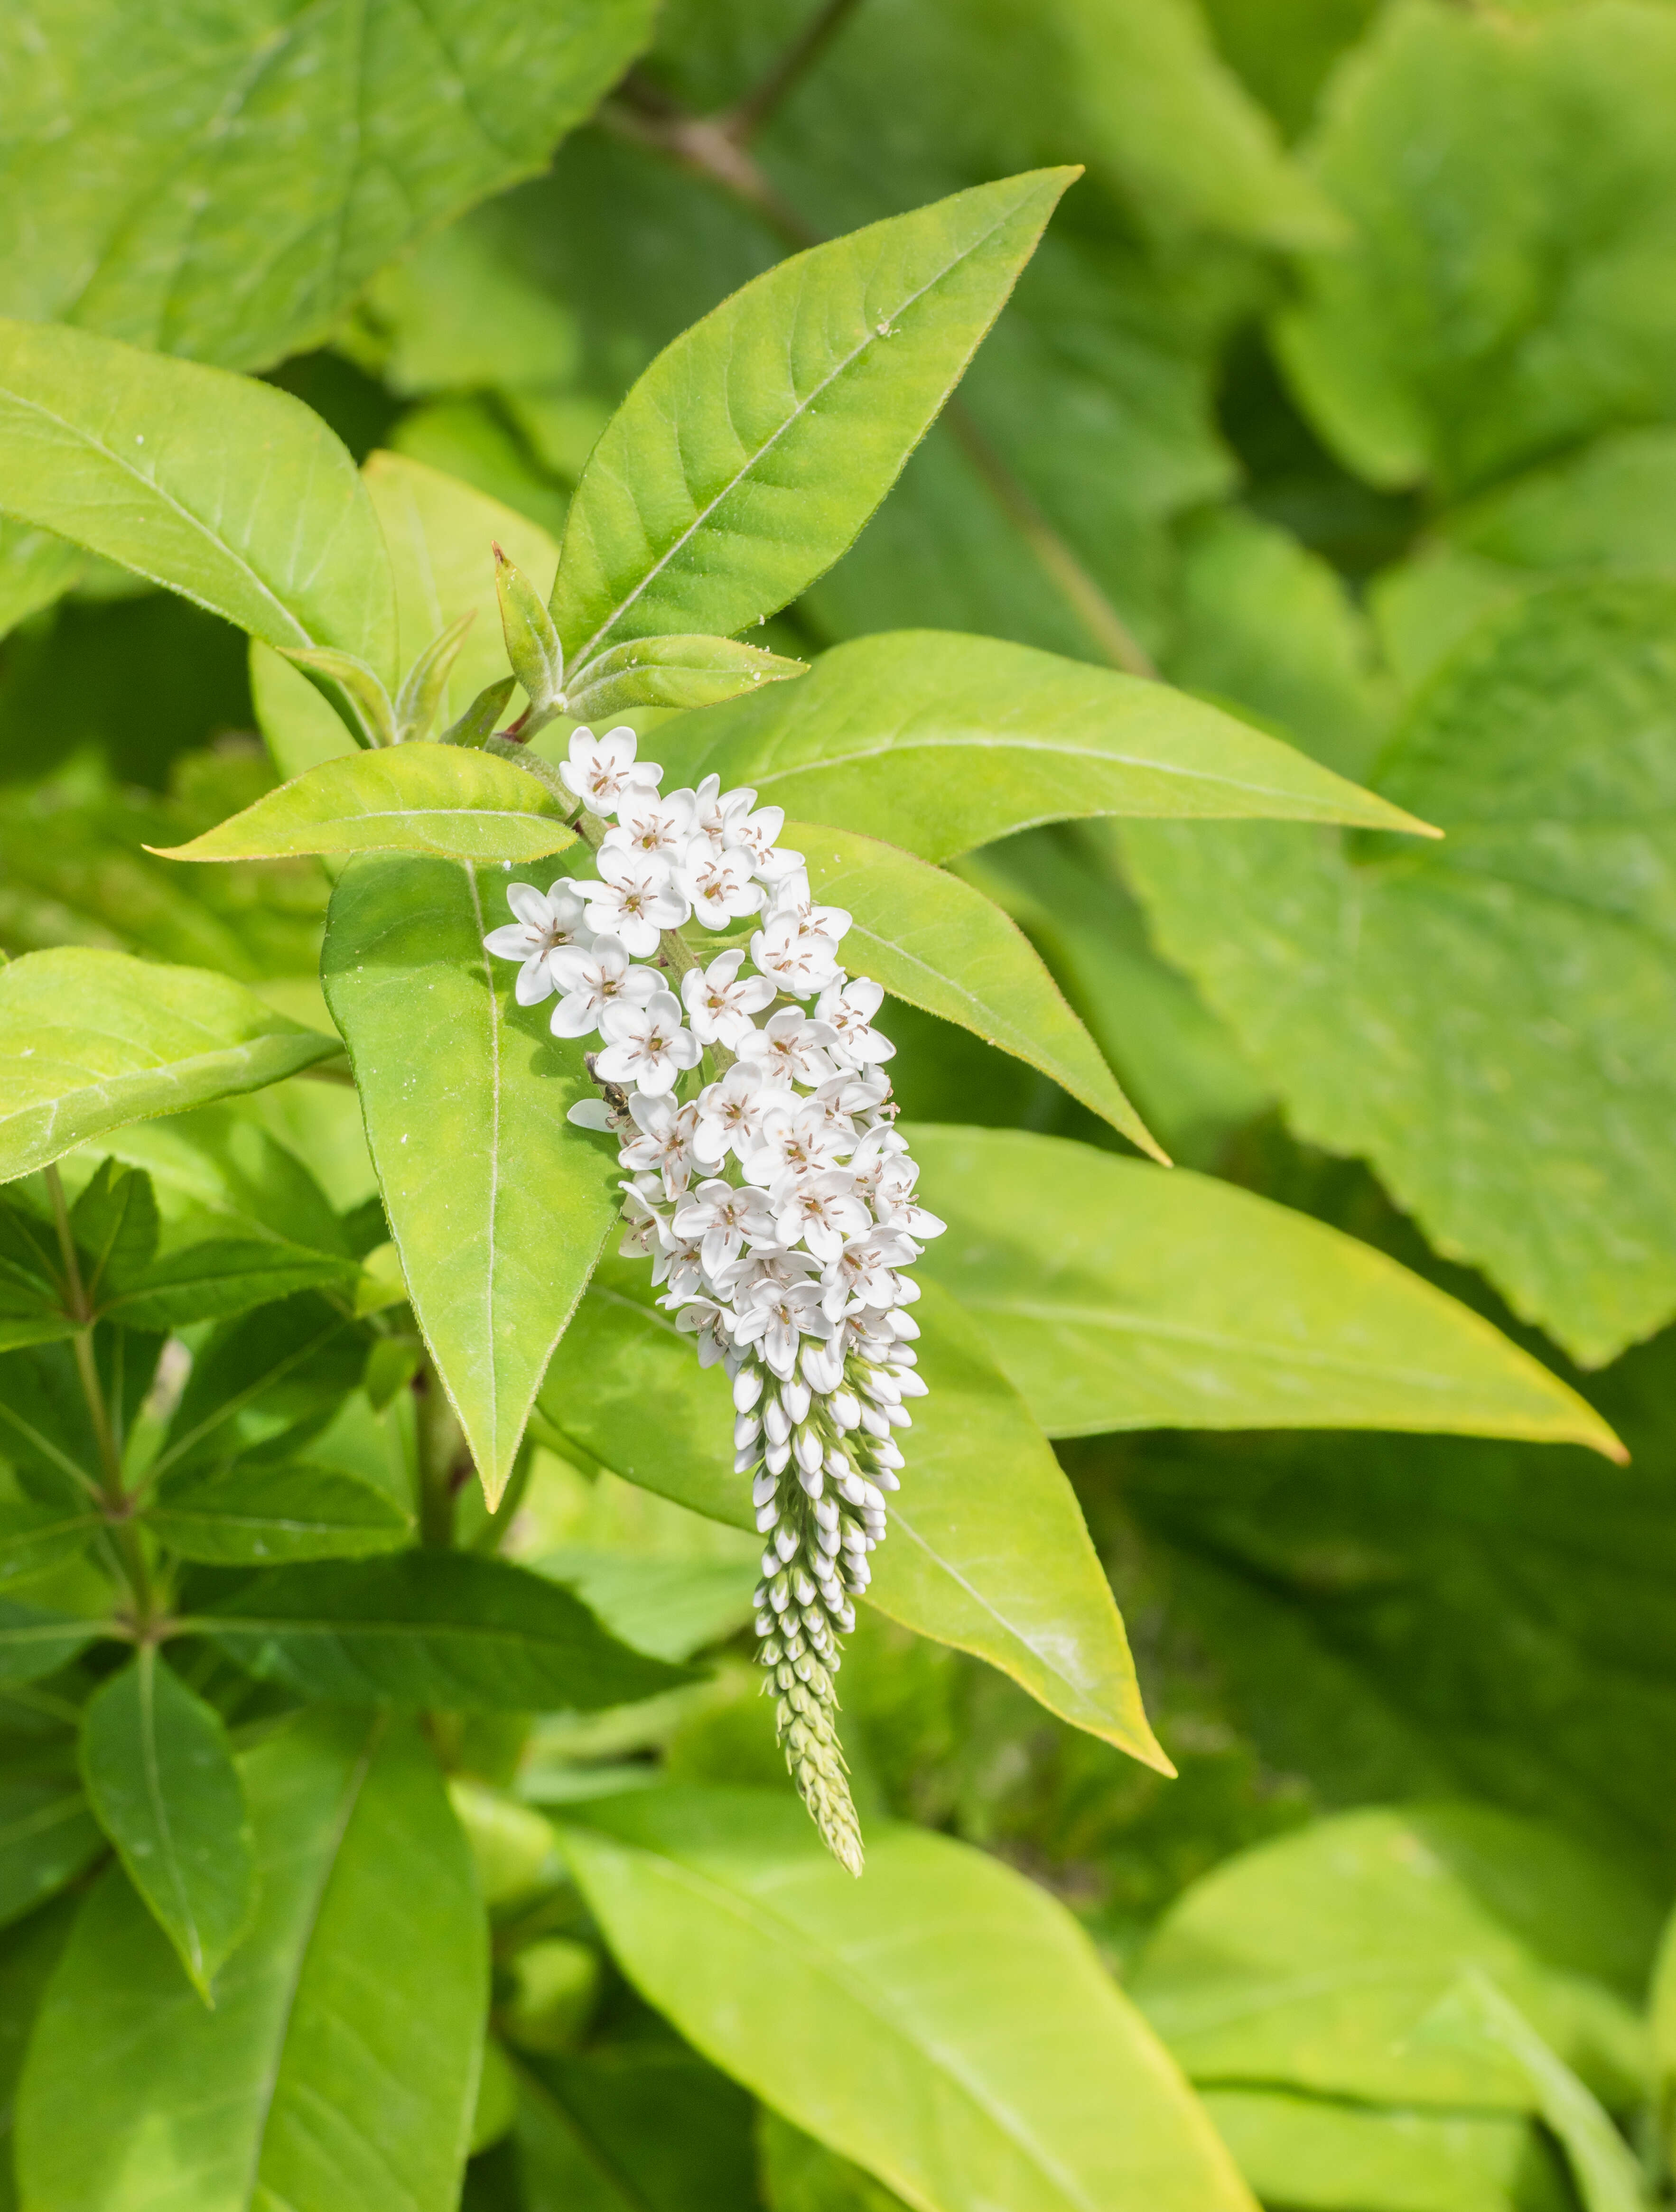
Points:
(437, 1442)
(742, 123)
(117, 1504)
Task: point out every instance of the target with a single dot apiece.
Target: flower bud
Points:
(746, 1430)
(794, 1397)
(774, 1421)
(747, 1389)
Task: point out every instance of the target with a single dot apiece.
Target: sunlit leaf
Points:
(263, 1516)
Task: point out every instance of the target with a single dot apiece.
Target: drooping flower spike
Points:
(763, 1180)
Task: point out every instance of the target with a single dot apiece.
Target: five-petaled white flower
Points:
(648, 1047)
(791, 1047)
(635, 900)
(720, 883)
(601, 771)
(710, 809)
(863, 1273)
(796, 1138)
(723, 1215)
(821, 1209)
(894, 1204)
(756, 833)
(664, 1147)
(721, 1001)
(850, 1007)
(711, 1324)
(794, 901)
(730, 1112)
(547, 921)
(644, 1226)
(648, 823)
(594, 980)
(800, 963)
(778, 1321)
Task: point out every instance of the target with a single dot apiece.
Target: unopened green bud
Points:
(533, 643)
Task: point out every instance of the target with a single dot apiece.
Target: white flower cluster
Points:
(775, 1199)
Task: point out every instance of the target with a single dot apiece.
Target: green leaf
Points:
(114, 1224)
(218, 1165)
(802, 395)
(47, 1836)
(369, 700)
(425, 686)
(481, 720)
(939, 944)
(497, 1207)
(632, 2126)
(1478, 320)
(159, 1773)
(436, 799)
(221, 1276)
(1313, 1962)
(430, 1628)
(673, 672)
(230, 492)
(944, 2023)
(34, 1642)
(801, 2175)
(32, 1297)
(293, 157)
(104, 1039)
(1514, 1114)
(532, 644)
(273, 1373)
(1087, 1275)
(265, 1516)
(36, 567)
(988, 1549)
(46, 1429)
(36, 1538)
(340, 2063)
(940, 743)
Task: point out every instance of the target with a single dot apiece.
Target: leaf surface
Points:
(751, 452)
(1519, 1113)
(939, 944)
(293, 153)
(497, 1207)
(341, 2060)
(47, 1835)
(1087, 1276)
(95, 1039)
(988, 1549)
(159, 1773)
(441, 800)
(230, 492)
(939, 742)
(944, 2022)
(34, 1641)
(430, 1628)
(261, 1517)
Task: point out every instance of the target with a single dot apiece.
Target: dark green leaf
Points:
(159, 1773)
(628, 2127)
(802, 2175)
(227, 491)
(815, 382)
(431, 1628)
(47, 1835)
(293, 157)
(264, 1517)
(944, 2022)
(114, 1224)
(220, 1162)
(940, 743)
(36, 1538)
(223, 1276)
(34, 1642)
(498, 1208)
(269, 1373)
(340, 2063)
(105, 1039)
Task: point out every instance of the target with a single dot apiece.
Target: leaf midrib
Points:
(703, 514)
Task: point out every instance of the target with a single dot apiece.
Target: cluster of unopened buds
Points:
(766, 1181)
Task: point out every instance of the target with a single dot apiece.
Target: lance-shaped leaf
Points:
(987, 1549)
(443, 801)
(159, 1775)
(94, 1039)
(223, 1276)
(260, 1517)
(498, 1208)
(673, 672)
(430, 1628)
(340, 2063)
(944, 2023)
(34, 1642)
(941, 743)
(230, 492)
(939, 943)
(1087, 1275)
(278, 1370)
(294, 154)
(47, 1835)
(749, 454)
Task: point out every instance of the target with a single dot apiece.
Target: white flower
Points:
(792, 898)
(721, 1001)
(821, 1209)
(778, 1321)
(664, 1147)
(730, 1113)
(849, 1096)
(648, 823)
(601, 771)
(646, 1226)
(723, 1215)
(756, 833)
(850, 1007)
(879, 1148)
(719, 884)
(862, 1273)
(594, 980)
(711, 1324)
(677, 1263)
(710, 809)
(800, 963)
(547, 920)
(791, 1047)
(895, 1205)
(648, 1047)
(797, 1137)
(635, 900)
(768, 1269)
